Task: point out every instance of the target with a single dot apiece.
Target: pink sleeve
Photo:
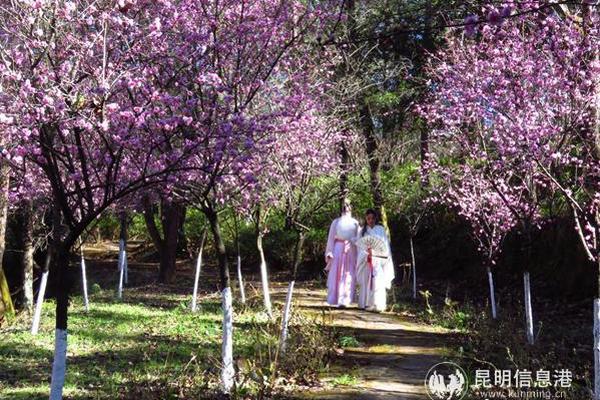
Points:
(331, 239)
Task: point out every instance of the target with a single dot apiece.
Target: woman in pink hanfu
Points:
(340, 257)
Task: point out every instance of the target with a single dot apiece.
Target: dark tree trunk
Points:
(424, 155)
(371, 147)
(428, 45)
(345, 161)
(123, 228)
(215, 228)
(63, 285)
(59, 263)
(167, 244)
(172, 216)
(298, 254)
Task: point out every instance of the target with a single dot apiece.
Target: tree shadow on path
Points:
(389, 355)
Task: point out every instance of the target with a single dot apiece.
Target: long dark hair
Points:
(372, 212)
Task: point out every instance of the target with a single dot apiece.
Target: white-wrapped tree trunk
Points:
(125, 268)
(35, 326)
(492, 293)
(241, 279)
(59, 366)
(414, 268)
(264, 276)
(528, 308)
(285, 321)
(197, 275)
(228, 372)
(121, 268)
(84, 285)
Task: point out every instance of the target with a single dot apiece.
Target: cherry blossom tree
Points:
(487, 213)
(225, 87)
(523, 94)
(77, 84)
(483, 115)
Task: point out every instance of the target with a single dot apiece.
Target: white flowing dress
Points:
(374, 274)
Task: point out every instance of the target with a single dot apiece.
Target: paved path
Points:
(391, 360)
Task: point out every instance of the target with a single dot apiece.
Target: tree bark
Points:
(227, 372)
(25, 233)
(167, 244)
(4, 182)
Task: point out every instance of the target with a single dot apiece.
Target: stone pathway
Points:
(390, 361)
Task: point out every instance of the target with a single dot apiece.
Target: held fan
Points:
(377, 245)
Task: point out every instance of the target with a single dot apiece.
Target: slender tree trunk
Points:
(371, 147)
(173, 215)
(264, 276)
(122, 267)
(26, 245)
(288, 300)
(527, 253)
(345, 162)
(4, 182)
(528, 308)
(84, 285)
(227, 372)
(37, 315)
(197, 275)
(492, 293)
(428, 46)
(414, 267)
(239, 274)
(424, 141)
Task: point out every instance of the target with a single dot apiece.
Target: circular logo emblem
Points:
(446, 381)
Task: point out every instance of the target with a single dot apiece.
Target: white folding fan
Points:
(377, 245)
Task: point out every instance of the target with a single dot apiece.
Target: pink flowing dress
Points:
(341, 279)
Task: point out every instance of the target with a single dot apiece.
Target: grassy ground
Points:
(151, 346)
(563, 336)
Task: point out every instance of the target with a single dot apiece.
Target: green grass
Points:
(148, 347)
(345, 380)
(348, 341)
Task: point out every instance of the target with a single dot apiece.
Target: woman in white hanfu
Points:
(340, 257)
(374, 274)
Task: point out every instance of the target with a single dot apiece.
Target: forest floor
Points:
(149, 345)
(381, 355)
